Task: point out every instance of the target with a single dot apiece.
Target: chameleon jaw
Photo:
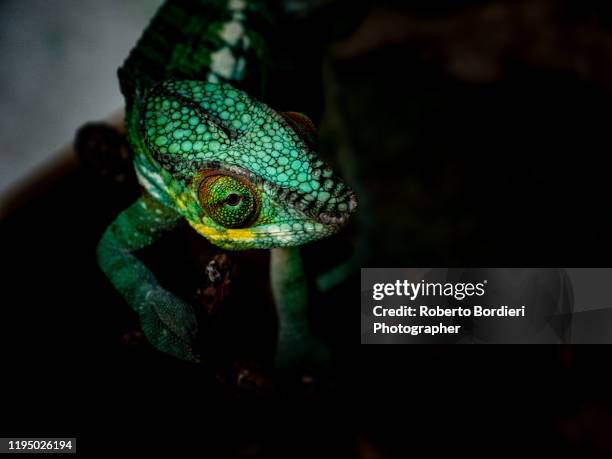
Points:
(266, 236)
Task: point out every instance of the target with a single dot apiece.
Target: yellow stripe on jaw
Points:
(241, 234)
(179, 198)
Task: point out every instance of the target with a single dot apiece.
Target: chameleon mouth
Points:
(330, 219)
(339, 218)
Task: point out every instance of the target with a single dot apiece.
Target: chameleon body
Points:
(241, 174)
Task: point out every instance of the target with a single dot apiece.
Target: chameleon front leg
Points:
(168, 322)
(289, 288)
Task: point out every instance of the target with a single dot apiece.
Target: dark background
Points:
(475, 133)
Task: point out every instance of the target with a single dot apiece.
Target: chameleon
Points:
(208, 151)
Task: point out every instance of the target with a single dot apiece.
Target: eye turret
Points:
(229, 200)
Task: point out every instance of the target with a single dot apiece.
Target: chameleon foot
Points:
(309, 351)
(169, 324)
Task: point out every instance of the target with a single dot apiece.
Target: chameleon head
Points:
(243, 175)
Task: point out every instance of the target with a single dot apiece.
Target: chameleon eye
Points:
(233, 199)
(230, 201)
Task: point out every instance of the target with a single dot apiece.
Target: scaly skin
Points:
(241, 174)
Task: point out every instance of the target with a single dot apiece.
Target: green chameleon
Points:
(241, 174)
